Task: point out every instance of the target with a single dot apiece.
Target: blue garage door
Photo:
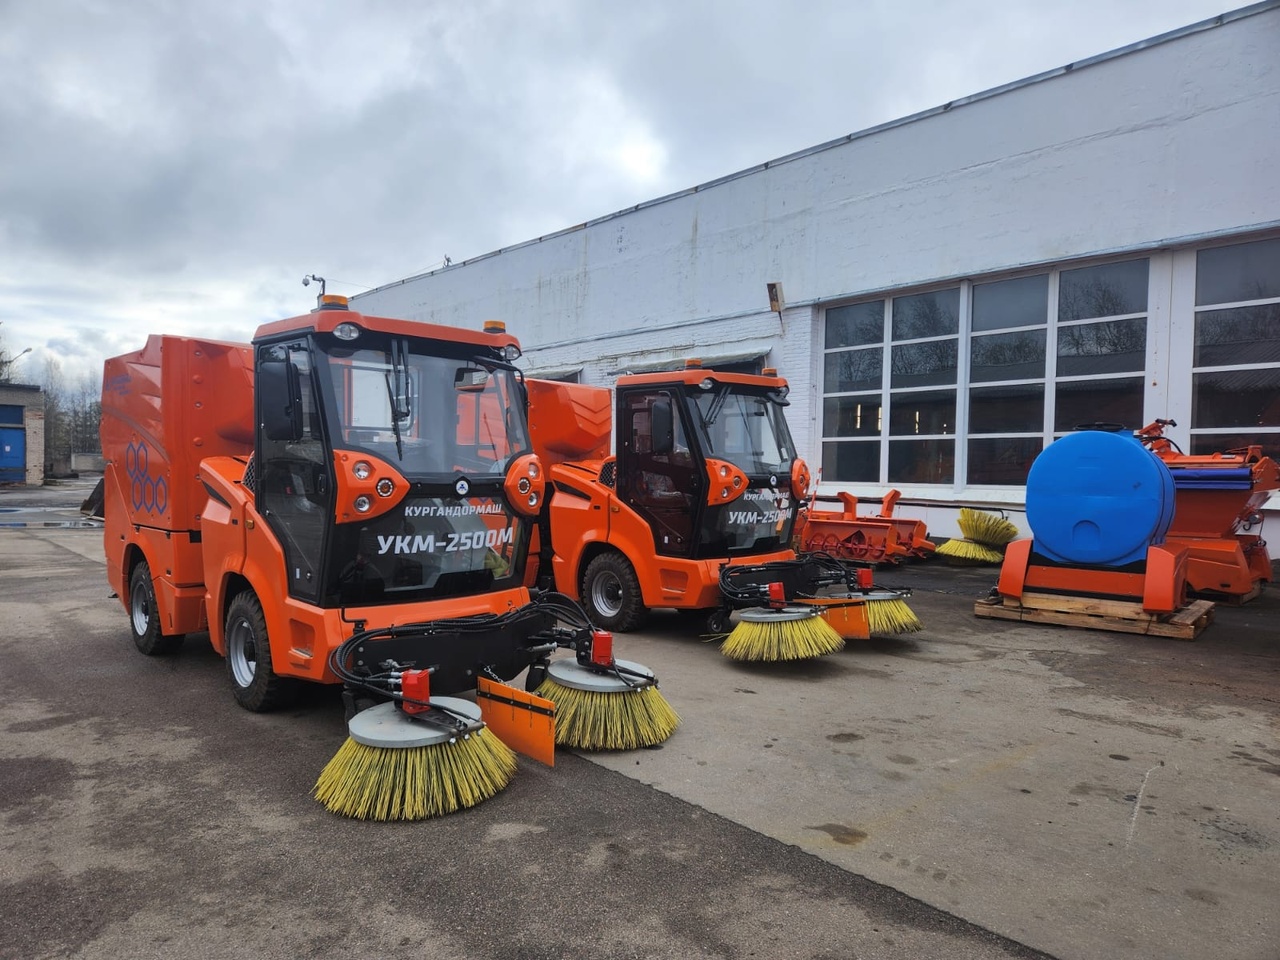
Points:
(13, 445)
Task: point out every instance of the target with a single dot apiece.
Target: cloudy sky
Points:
(179, 165)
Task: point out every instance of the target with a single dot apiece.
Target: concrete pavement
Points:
(980, 789)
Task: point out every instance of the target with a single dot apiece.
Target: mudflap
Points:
(523, 721)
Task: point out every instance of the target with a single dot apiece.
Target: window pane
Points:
(855, 325)
(1204, 444)
(1117, 346)
(1007, 356)
(853, 370)
(1004, 461)
(1012, 409)
(1243, 271)
(851, 461)
(1099, 401)
(1242, 335)
(1109, 290)
(924, 364)
(851, 416)
(1011, 303)
(922, 461)
(926, 314)
(932, 411)
(1240, 398)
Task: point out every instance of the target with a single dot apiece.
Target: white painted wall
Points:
(1158, 145)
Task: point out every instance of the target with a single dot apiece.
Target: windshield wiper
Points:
(397, 389)
(716, 403)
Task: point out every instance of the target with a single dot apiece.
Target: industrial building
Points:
(949, 292)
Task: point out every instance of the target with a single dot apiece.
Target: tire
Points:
(144, 616)
(718, 621)
(253, 681)
(611, 593)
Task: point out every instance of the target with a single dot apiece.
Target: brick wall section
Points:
(33, 421)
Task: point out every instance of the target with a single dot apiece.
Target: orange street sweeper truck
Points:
(350, 499)
(695, 508)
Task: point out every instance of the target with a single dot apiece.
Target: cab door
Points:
(660, 475)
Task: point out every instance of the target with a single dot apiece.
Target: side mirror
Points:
(470, 379)
(661, 422)
(279, 400)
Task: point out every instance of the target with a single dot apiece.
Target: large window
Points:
(993, 370)
(1102, 345)
(854, 381)
(1006, 376)
(1235, 383)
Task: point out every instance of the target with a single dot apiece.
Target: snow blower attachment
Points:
(848, 535)
(808, 607)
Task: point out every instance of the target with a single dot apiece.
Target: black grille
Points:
(250, 481)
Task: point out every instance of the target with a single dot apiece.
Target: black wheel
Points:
(254, 683)
(611, 593)
(718, 621)
(144, 615)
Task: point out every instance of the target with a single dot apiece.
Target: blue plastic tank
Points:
(1098, 498)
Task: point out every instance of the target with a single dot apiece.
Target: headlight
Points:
(346, 331)
(363, 503)
(386, 487)
(362, 470)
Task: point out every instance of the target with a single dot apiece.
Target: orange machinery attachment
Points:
(1218, 513)
(704, 475)
(879, 538)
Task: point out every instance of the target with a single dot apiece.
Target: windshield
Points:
(423, 413)
(744, 427)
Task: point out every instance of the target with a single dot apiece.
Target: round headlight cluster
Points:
(362, 470)
(524, 485)
(363, 503)
(385, 487)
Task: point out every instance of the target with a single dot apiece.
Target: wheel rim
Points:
(140, 609)
(606, 594)
(242, 651)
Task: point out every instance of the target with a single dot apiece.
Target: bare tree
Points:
(71, 415)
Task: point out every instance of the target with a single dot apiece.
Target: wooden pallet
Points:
(1233, 599)
(1093, 613)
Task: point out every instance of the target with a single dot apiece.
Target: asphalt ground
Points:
(979, 789)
